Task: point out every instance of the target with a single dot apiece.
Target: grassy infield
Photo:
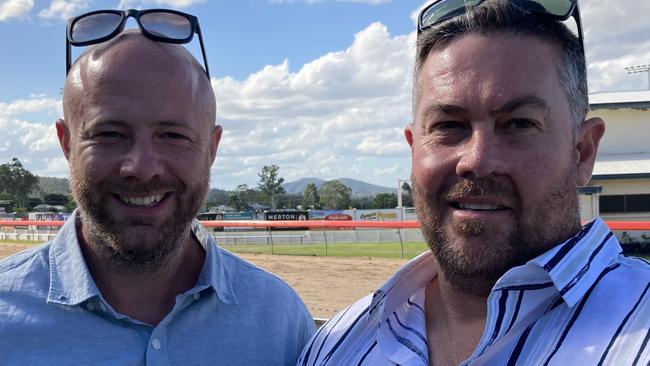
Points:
(373, 250)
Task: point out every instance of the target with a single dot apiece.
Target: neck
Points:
(144, 295)
(455, 321)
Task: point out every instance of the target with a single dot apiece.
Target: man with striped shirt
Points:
(500, 143)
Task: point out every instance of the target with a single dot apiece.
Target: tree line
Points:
(20, 192)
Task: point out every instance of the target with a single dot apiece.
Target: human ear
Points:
(587, 142)
(215, 138)
(63, 133)
(408, 134)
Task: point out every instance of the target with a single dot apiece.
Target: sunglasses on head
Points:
(160, 25)
(441, 10)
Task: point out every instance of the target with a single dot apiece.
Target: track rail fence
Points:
(268, 234)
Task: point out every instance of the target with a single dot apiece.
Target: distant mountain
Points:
(53, 185)
(359, 188)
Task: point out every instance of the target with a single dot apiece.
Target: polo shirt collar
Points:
(71, 282)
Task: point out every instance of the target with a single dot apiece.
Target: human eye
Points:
(521, 123)
(108, 134)
(174, 136)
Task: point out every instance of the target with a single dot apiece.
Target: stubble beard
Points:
(534, 229)
(141, 252)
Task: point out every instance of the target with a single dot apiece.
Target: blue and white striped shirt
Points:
(580, 303)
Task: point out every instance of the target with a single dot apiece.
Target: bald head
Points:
(131, 62)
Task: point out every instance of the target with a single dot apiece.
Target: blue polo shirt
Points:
(52, 313)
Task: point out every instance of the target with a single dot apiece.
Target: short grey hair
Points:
(502, 17)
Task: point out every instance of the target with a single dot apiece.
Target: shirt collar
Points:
(71, 282)
(575, 265)
(215, 273)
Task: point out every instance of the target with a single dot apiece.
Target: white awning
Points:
(622, 164)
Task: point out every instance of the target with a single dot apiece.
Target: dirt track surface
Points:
(326, 284)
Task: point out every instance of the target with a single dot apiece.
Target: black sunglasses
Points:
(160, 25)
(441, 10)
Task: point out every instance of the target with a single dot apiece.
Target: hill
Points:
(359, 188)
(53, 185)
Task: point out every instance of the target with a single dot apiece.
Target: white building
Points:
(619, 189)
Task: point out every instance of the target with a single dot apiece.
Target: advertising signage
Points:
(287, 216)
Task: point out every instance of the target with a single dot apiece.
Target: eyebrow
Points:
(525, 101)
(508, 107)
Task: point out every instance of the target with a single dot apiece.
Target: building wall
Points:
(626, 130)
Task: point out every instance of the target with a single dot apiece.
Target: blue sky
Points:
(321, 88)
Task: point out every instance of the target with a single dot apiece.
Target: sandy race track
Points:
(326, 284)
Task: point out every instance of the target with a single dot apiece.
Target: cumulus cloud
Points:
(371, 2)
(137, 4)
(15, 9)
(32, 105)
(342, 114)
(611, 48)
(319, 120)
(63, 9)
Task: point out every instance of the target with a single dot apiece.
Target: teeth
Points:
(478, 206)
(142, 201)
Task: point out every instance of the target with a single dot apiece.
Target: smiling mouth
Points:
(477, 206)
(141, 201)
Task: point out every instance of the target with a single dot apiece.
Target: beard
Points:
(118, 239)
(473, 255)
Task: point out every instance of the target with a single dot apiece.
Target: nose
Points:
(141, 162)
(480, 156)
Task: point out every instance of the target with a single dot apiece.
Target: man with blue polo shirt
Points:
(132, 278)
(500, 144)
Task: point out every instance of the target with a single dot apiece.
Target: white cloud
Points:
(15, 9)
(616, 36)
(63, 9)
(321, 119)
(36, 104)
(138, 4)
(371, 2)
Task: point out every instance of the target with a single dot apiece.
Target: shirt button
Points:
(155, 343)
(90, 306)
(196, 296)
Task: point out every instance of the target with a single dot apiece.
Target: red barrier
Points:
(322, 224)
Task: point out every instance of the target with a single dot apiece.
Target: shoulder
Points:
(23, 265)
(353, 328)
(254, 285)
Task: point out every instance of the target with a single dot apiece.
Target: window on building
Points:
(625, 203)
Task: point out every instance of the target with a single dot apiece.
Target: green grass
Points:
(374, 249)
(371, 250)
(12, 241)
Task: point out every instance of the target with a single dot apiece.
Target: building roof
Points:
(639, 99)
(620, 166)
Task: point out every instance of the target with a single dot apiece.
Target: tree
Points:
(407, 195)
(17, 181)
(55, 199)
(385, 200)
(335, 195)
(310, 198)
(270, 184)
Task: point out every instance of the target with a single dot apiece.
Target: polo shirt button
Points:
(196, 296)
(90, 306)
(155, 344)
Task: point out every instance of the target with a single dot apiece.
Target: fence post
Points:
(325, 236)
(271, 237)
(399, 233)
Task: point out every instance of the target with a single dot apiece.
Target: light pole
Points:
(639, 69)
